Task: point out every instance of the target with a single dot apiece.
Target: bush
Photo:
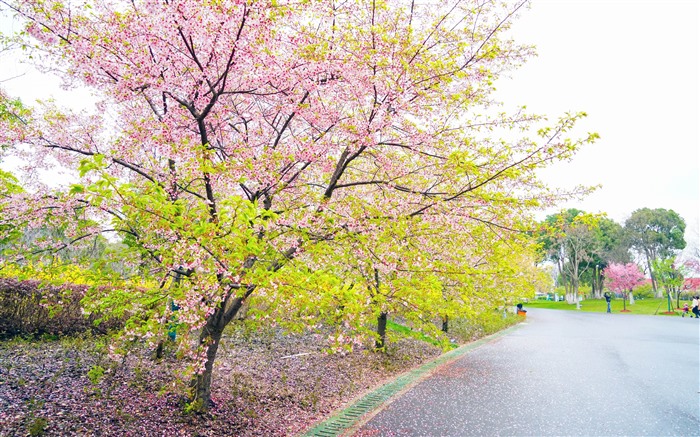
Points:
(481, 325)
(688, 294)
(31, 308)
(644, 291)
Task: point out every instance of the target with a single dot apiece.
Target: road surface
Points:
(562, 373)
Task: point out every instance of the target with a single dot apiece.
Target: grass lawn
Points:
(641, 306)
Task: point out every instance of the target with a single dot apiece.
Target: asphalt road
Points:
(562, 373)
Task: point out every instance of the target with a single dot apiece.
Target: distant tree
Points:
(655, 234)
(609, 246)
(691, 285)
(568, 239)
(670, 276)
(623, 278)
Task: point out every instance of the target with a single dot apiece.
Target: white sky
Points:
(632, 65)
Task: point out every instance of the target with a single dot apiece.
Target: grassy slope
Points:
(641, 306)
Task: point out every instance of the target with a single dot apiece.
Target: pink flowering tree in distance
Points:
(290, 156)
(623, 278)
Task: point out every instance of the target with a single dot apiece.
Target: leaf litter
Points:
(263, 385)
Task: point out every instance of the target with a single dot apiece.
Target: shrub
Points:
(644, 291)
(31, 308)
(481, 325)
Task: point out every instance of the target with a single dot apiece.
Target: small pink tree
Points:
(623, 278)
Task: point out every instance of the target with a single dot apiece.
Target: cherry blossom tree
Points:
(417, 269)
(623, 278)
(235, 141)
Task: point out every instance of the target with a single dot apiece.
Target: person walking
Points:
(608, 298)
(695, 307)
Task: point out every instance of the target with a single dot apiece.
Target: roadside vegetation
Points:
(268, 381)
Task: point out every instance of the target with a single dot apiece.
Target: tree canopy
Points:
(329, 151)
(571, 239)
(656, 234)
(623, 278)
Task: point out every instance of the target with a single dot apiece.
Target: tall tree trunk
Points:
(654, 286)
(381, 331)
(573, 297)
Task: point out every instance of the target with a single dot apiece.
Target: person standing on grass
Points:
(695, 307)
(608, 298)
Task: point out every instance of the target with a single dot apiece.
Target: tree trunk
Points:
(444, 324)
(601, 280)
(657, 292)
(597, 283)
(572, 297)
(567, 292)
(159, 350)
(209, 339)
(381, 331)
(201, 384)
(381, 320)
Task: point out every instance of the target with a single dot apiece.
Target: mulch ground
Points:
(265, 385)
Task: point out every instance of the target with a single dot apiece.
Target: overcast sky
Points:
(633, 67)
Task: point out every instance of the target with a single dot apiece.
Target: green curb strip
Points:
(349, 416)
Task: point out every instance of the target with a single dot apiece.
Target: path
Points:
(562, 373)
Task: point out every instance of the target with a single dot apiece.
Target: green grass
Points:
(641, 306)
(408, 332)
(461, 330)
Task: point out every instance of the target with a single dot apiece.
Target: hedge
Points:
(34, 309)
